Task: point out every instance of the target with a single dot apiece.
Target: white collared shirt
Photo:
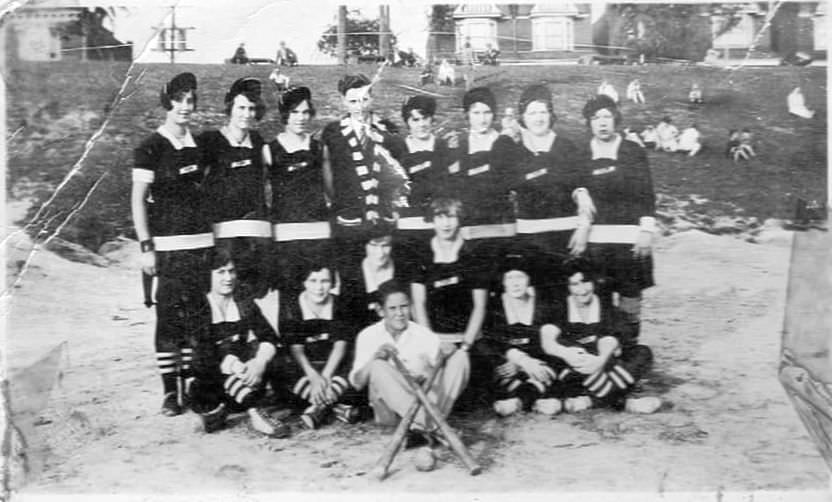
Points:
(186, 141)
(417, 347)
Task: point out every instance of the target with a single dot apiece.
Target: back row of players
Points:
(483, 229)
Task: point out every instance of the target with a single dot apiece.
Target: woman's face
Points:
(537, 118)
(223, 279)
(602, 124)
(516, 283)
(317, 285)
(581, 289)
(243, 112)
(357, 101)
(420, 125)
(379, 251)
(480, 117)
(298, 120)
(180, 111)
(446, 226)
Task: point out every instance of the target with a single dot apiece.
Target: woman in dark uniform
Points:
(235, 185)
(424, 157)
(545, 173)
(618, 177)
(320, 333)
(523, 378)
(172, 228)
(298, 205)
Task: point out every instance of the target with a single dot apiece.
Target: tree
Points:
(679, 31)
(362, 36)
(442, 28)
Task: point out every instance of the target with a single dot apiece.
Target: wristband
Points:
(147, 245)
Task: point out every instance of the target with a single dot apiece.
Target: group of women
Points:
(519, 247)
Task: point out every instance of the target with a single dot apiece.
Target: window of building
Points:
(741, 35)
(479, 31)
(552, 33)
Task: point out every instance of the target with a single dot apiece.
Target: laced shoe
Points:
(313, 416)
(506, 407)
(645, 405)
(214, 420)
(548, 406)
(577, 404)
(266, 424)
(170, 405)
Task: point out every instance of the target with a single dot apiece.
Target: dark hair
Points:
(425, 105)
(599, 103)
(304, 268)
(381, 229)
(448, 206)
(352, 82)
(536, 93)
(391, 287)
(176, 89)
(479, 95)
(251, 88)
(291, 99)
(573, 266)
(219, 256)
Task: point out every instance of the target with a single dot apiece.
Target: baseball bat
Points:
(399, 436)
(453, 440)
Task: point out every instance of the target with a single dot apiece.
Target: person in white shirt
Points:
(690, 140)
(667, 135)
(634, 93)
(418, 348)
(607, 89)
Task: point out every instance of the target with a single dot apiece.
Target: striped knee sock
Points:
(167, 362)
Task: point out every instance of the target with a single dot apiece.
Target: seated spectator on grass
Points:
(667, 136)
(446, 74)
(690, 140)
(489, 57)
(280, 80)
(285, 56)
(649, 137)
(418, 349)
(593, 351)
(634, 93)
(695, 94)
(797, 104)
(240, 56)
(739, 145)
(314, 324)
(607, 89)
(235, 354)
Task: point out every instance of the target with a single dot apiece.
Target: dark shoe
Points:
(266, 424)
(170, 405)
(214, 420)
(314, 416)
(347, 413)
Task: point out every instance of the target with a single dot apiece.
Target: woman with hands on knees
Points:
(596, 361)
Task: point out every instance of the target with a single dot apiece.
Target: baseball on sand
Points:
(425, 460)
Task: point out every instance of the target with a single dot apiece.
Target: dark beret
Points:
(352, 82)
(426, 104)
(181, 83)
(598, 103)
(535, 93)
(479, 95)
(292, 98)
(249, 86)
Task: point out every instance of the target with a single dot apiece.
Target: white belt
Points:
(242, 228)
(414, 223)
(284, 232)
(489, 231)
(183, 242)
(614, 234)
(536, 226)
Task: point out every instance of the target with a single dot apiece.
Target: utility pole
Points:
(342, 34)
(384, 32)
(173, 39)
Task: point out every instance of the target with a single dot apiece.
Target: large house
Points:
(570, 30)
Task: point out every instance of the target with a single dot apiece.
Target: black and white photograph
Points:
(385, 250)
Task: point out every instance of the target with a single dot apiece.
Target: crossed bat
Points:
(394, 447)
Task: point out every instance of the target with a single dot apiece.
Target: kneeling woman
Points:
(234, 354)
(318, 335)
(597, 362)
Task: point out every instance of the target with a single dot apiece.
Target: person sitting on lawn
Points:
(446, 74)
(667, 136)
(634, 93)
(235, 354)
(316, 328)
(690, 140)
(418, 348)
(739, 145)
(489, 57)
(695, 94)
(593, 351)
(649, 137)
(280, 80)
(607, 89)
(797, 104)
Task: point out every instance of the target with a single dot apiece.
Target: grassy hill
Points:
(56, 108)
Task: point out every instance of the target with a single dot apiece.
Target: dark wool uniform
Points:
(357, 170)
(623, 369)
(428, 173)
(181, 235)
(543, 183)
(235, 191)
(364, 306)
(299, 212)
(622, 190)
(502, 335)
(318, 337)
(240, 336)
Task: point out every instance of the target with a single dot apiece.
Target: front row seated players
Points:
(234, 353)
(418, 348)
(571, 355)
